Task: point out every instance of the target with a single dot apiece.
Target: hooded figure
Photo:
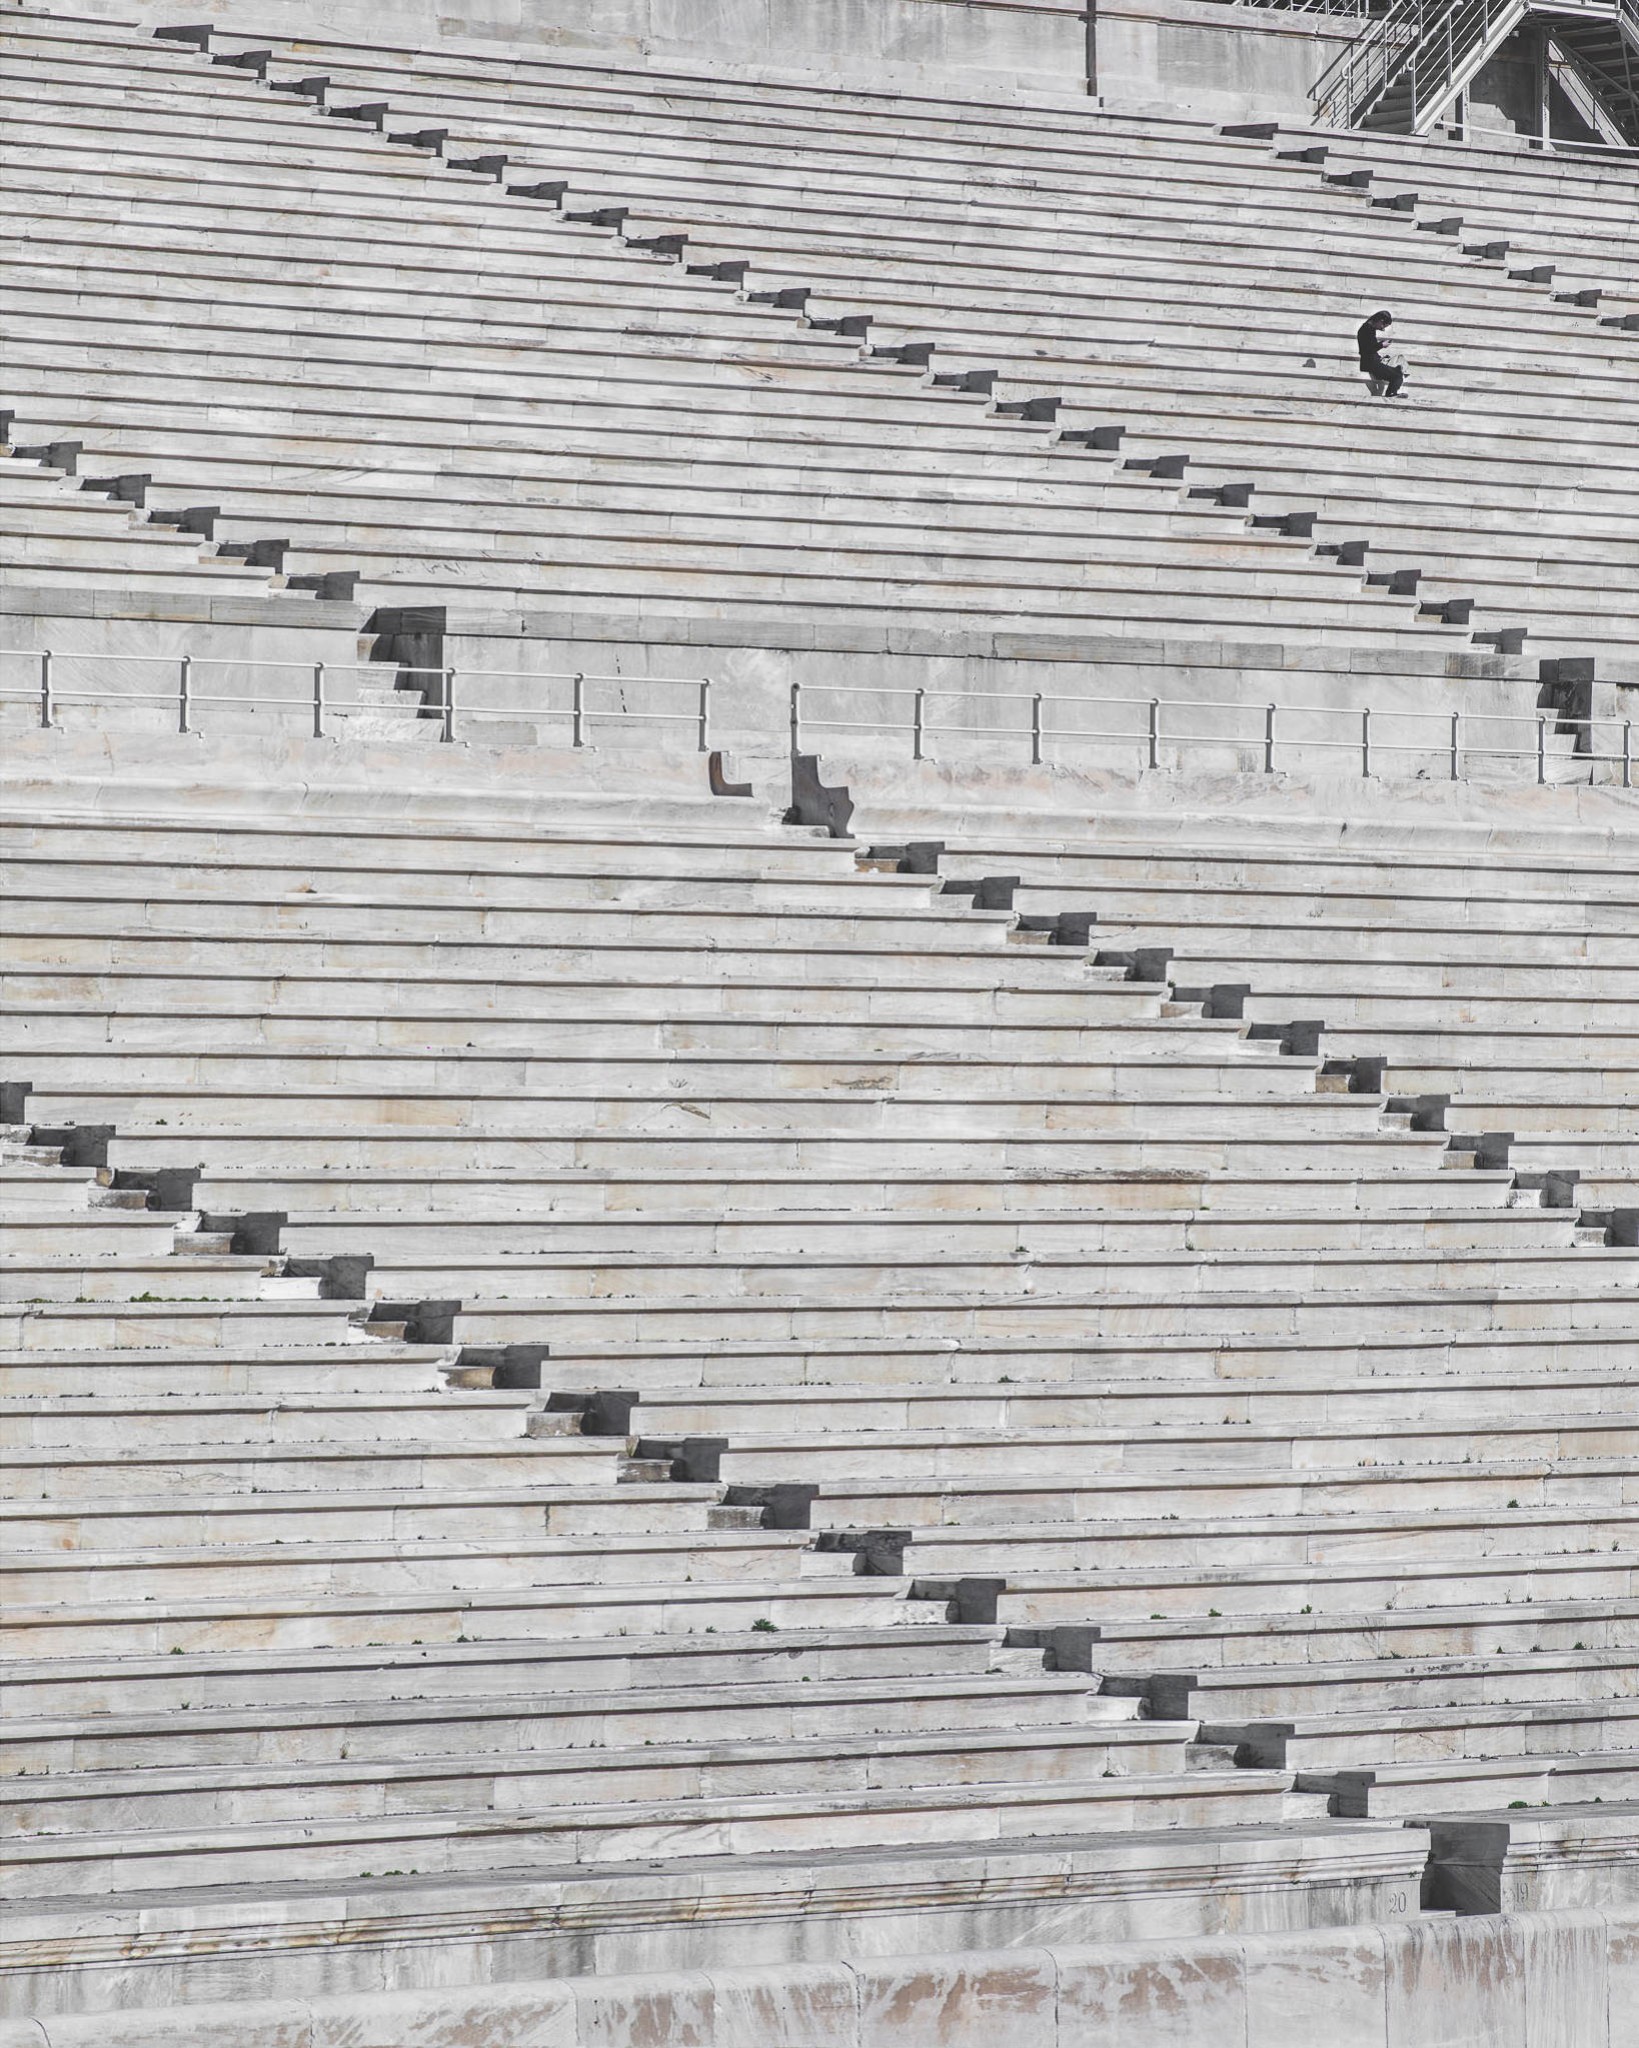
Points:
(1383, 378)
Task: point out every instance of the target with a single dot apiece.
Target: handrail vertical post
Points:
(1456, 745)
(1155, 733)
(184, 681)
(918, 715)
(1366, 741)
(1269, 739)
(447, 728)
(705, 715)
(45, 689)
(577, 710)
(1542, 748)
(796, 718)
(318, 700)
(1627, 753)
(1035, 730)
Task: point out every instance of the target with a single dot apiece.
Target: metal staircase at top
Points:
(1598, 49)
(1411, 58)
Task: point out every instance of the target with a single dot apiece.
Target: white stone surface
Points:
(1244, 1463)
(1529, 1978)
(847, 546)
(348, 1522)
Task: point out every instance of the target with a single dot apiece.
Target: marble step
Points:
(707, 1769)
(634, 1669)
(505, 1724)
(82, 1866)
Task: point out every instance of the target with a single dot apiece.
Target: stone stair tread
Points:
(1421, 1672)
(689, 1352)
(446, 1606)
(378, 1351)
(720, 830)
(1621, 1762)
(752, 1397)
(1515, 1717)
(1348, 1842)
(1206, 1628)
(660, 1700)
(1299, 1524)
(548, 1449)
(560, 995)
(1405, 1570)
(1074, 1436)
(957, 1300)
(1317, 1477)
(268, 1502)
(184, 1262)
(578, 1649)
(49, 1849)
(433, 1397)
(967, 1741)
(473, 1217)
(430, 1550)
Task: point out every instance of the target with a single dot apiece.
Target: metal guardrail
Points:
(450, 703)
(1423, 45)
(1157, 731)
(1156, 735)
(1560, 145)
(1606, 93)
(1431, 48)
(1354, 7)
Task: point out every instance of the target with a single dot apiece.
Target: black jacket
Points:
(1370, 339)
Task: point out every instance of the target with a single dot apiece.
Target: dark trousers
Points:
(1385, 379)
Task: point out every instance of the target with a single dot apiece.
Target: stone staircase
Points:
(898, 1425)
(56, 535)
(721, 182)
(646, 358)
(1533, 213)
(653, 1360)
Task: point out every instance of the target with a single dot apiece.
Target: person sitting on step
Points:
(1383, 376)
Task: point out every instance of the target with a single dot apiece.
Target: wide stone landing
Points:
(401, 1933)
(1550, 1978)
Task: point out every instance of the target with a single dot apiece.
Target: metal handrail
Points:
(1562, 145)
(1309, 6)
(1422, 44)
(1607, 91)
(1157, 737)
(1431, 47)
(1453, 742)
(447, 701)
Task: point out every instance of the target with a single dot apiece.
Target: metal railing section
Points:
(1429, 49)
(1560, 145)
(1156, 735)
(1612, 93)
(1354, 7)
(1422, 46)
(451, 699)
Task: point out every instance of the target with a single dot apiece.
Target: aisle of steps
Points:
(1149, 332)
(1569, 214)
(616, 422)
(618, 347)
(1491, 997)
(59, 533)
(625, 1377)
